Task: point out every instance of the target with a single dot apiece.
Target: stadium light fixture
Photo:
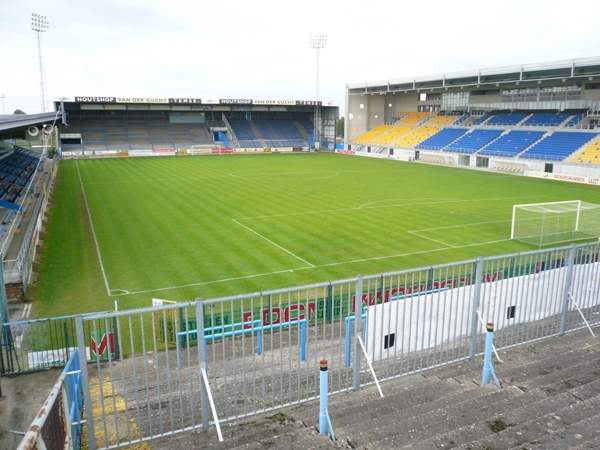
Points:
(318, 41)
(40, 25)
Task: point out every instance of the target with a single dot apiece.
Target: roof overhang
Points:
(571, 71)
(16, 126)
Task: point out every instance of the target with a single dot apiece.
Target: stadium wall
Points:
(561, 171)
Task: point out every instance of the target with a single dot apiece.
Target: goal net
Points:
(551, 223)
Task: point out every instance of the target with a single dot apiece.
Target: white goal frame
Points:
(555, 222)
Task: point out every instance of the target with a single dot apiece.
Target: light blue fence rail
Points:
(59, 422)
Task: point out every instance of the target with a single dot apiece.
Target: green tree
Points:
(339, 127)
(18, 111)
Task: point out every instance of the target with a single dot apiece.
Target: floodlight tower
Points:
(318, 41)
(40, 25)
(3, 112)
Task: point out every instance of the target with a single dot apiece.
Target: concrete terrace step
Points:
(406, 426)
(588, 387)
(277, 430)
(550, 400)
(468, 431)
(520, 363)
(406, 402)
(541, 385)
(519, 357)
(348, 403)
(554, 429)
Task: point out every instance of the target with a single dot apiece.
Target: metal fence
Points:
(38, 344)
(58, 424)
(261, 351)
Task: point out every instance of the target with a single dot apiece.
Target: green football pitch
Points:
(179, 228)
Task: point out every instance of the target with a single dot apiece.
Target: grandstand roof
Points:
(16, 126)
(564, 70)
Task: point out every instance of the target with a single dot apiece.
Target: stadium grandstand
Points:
(113, 126)
(24, 184)
(538, 119)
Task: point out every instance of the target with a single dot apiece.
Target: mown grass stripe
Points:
(167, 225)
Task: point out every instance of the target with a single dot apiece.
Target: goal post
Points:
(555, 222)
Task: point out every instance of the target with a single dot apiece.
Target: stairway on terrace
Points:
(550, 399)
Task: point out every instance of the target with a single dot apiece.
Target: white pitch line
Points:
(204, 283)
(431, 239)
(273, 243)
(339, 263)
(93, 231)
(459, 226)
(401, 255)
(403, 204)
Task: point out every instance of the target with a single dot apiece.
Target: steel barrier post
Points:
(323, 394)
(357, 330)
(487, 357)
(476, 300)
(85, 383)
(204, 405)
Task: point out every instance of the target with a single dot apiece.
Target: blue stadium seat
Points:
(506, 119)
(558, 145)
(545, 119)
(440, 140)
(473, 141)
(512, 143)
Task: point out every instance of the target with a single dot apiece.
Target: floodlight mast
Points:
(40, 25)
(317, 41)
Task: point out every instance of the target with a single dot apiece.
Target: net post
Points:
(512, 227)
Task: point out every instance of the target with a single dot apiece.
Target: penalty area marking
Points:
(339, 263)
(273, 243)
(417, 233)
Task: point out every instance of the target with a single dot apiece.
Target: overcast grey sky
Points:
(261, 50)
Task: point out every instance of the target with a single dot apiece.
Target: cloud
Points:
(261, 49)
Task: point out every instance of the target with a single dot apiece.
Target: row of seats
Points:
(512, 143)
(259, 133)
(402, 133)
(521, 141)
(558, 145)
(137, 134)
(589, 155)
(16, 170)
(471, 142)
